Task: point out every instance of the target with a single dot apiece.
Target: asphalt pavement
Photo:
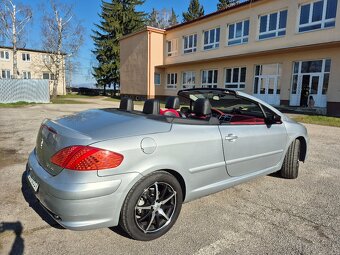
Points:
(268, 215)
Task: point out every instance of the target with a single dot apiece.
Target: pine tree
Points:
(223, 4)
(173, 18)
(118, 18)
(195, 11)
(152, 19)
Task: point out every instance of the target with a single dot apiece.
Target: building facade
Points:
(285, 52)
(32, 64)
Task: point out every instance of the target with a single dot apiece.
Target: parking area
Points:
(268, 215)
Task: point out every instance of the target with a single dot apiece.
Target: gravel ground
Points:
(268, 215)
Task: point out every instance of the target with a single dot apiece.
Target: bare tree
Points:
(13, 20)
(62, 38)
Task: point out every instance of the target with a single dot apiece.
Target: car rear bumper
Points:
(80, 206)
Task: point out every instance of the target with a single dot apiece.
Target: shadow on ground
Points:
(16, 227)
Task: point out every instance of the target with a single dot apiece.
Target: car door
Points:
(249, 144)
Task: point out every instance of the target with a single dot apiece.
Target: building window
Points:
(211, 39)
(26, 57)
(172, 47)
(5, 74)
(157, 79)
(317, 15)
(26, 75)
(190, 43)
(48, 76)
(171, 81)
(235, 78)
(273, 25)
(238, 33)
(188, 79)
(305, 71)
(209, 78)
(46, 59)
(4, 55)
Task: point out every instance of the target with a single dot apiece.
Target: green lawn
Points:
(318, 120)
(66, 100)
(17, 104)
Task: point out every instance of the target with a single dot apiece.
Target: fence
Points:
(35, 91)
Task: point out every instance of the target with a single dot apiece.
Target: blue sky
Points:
(87, 12)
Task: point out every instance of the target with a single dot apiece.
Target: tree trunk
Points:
(14, 42)
(104, 90)
(114, 89)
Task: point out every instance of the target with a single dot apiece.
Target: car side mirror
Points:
(273, 119)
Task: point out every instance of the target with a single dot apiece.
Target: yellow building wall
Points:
(134, 64)
(286, 59)
(36, 66)
(251, 12)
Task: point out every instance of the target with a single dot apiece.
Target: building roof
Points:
(27, 49)
(245, 3)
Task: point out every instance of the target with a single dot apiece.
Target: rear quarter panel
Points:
(194, 151)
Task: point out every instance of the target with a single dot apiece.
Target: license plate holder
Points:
(33, 182)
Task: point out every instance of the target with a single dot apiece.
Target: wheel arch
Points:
(303, 148)
(179, 178)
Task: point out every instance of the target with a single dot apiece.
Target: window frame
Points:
(277, 30)
(160, 79)
(174, 50)
(240, 84)
(215, 44)
(207, 84)
(26, 57)
(244, 38)
(169, 84)
(186, 85)
(4, 53)
(26, 75)
(310, 23)
(192, 49)
(7, 74)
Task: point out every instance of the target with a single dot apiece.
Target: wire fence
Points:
(35, 91)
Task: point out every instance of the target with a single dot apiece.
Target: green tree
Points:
(195, 11)
(118, 18)
(152, 19)
(173, 18)
(223, 4)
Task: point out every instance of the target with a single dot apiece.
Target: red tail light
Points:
(86, 158)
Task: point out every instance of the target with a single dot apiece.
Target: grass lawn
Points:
(318, 120)
(17, 104)
(66, 99)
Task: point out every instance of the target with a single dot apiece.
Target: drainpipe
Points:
(149, 66)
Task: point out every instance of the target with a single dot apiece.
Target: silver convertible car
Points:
(109, 167)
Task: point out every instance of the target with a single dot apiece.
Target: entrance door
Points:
(268, 90)
(309, 85)
(310, 78)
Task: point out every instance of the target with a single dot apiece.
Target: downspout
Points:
(149, 66)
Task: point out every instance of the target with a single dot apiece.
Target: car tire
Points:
(152, 206)
(290, 166)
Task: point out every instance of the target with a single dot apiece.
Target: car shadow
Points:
(276, 175)
(120, 231)
(33, 202)
(19, 243)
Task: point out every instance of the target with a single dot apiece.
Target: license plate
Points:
(34, 183)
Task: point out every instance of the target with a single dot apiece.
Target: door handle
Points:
(231, 137)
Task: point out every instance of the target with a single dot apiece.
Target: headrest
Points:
(126, 104)
(172, 103)
(202, 107)
(151, 106)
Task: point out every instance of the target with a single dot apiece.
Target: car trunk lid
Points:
(89, 127)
